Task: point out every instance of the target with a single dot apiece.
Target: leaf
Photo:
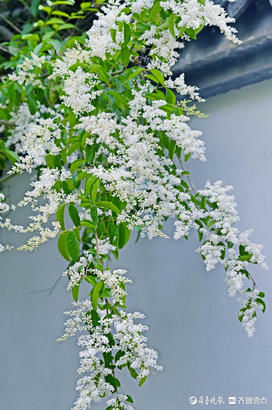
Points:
(158, 75)
(32, 104)
(73, 212)
(124, 234)
(55, 20)
(60, 216)
(75, 291)
(34, 8)
(171, 24)
(96, 292)
(119, 354)
(172, 149)
(85, 5)
(88, 224)
(127, 33)
(33, 37)
(107, 359)
(91, 280)
(89, 182)
(113, 381)
(67, 2)
(261, 302)
(94, 190)
(95, 318)
(134, 73)
(66, 26)
(72, 245)
(60, 13)
(133, 372)
(108, 205)
(246, 257)
(62, 246)
(11, 156)
(143, 379)
(170, 96)
(125, 55)
(76, 164)
(98, 69)
(129, 399)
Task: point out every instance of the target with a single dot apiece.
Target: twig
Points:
(4, 122)
(10, 23)
(6, 178)
(49, 290)
(188, 176)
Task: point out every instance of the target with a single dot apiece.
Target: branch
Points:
(188, 176)
(6, 123)
(10, 23)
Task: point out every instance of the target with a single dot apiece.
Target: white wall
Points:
(193, 322)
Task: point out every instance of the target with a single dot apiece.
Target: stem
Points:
(10, 23)
(188, 176)
(4, 122)
(4, 179)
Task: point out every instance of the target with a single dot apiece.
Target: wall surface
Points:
(193, 322)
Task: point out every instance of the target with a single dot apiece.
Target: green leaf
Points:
(75, 291)
(118, 355)
(34, 7)
(143, 379)
(88, 224)
(91, 280)
(113, 381)
(85, 5)
(76, 164)
(95, 318)
(171, 24)
(32, 104)
(98, 69)
(170, 96)
(261, 302)
(108, 205)
(62, 246)
(133, 372)
(60, 13)
(124, 234)
(134, 72)
(89, 182)
(60, 216)
(11, 155)
(125, 55)
(55, 20)
(94, 189)
(246, 257)
(172, 149)
(34, 37)
(66, 26)
(72, 245)
(127, 33)
(67, 2)
(129, 399)
(158, 75)
(73, 212)
(96, 292)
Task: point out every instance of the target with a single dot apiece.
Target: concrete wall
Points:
(193, 322)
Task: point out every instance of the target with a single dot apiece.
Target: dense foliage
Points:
(95, 116)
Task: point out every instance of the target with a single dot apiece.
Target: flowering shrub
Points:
(97, 119)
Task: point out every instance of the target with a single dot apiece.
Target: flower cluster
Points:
(108, 344)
